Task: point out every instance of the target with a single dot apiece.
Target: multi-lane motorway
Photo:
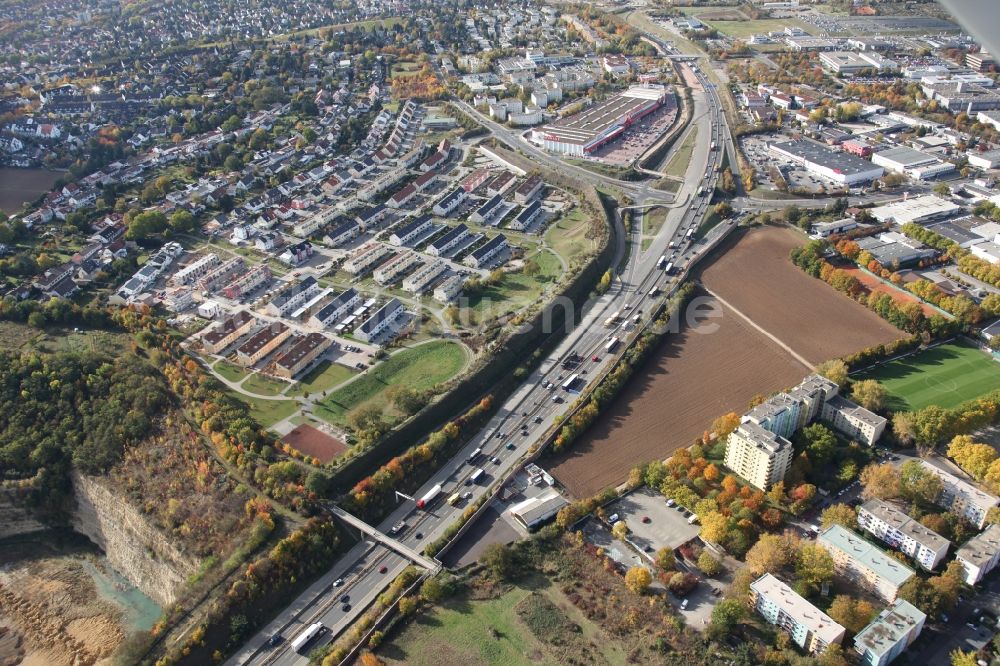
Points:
(522, 421)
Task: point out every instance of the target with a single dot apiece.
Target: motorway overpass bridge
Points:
(428, 563)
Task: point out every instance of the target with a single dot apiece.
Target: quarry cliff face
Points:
(15, 519)
(138, 550)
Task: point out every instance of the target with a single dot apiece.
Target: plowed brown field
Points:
(755, 275)
(692, 379)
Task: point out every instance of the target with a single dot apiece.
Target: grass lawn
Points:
(679, 161)
(516, 291)
(533, 624)
(323, 377)
(418, 368)
(652, 220)
(262, 385)
(16, 336)
(233, 373)
(269, 412)
(610, 170)
(568, 235)
(945, 376)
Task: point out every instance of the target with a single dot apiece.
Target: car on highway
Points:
(338, 582)
(346, 608)
(466, 495)
(345, 598)
(274, 640)
(398, 527)
(382, 569)
(510, 446)
(495, 460)
(595, 358)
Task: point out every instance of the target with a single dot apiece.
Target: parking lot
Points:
(652, 524)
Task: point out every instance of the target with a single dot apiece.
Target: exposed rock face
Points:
(14, 518)
(134, 547)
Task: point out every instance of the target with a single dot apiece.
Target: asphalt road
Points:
(522, 420)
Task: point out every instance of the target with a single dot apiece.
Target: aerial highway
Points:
(522, 421)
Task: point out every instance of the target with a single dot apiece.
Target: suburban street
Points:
(527, 415)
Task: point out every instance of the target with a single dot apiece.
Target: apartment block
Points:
(758, 455)
(853, 420)
(248, 282)
(292, 296)
(263, 342)
(304, 351)
(193, 271)
(898, 530)
(222, 275)
(228, 332)
(375, 325)
(863, 564)
(979, 555)
(889, 634)
(425, 276)
(778, 414)
(810, 628)
(961, 497)
(392, 270)
(335, 309)
(366, 258)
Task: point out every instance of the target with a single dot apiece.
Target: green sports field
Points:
(945, 376)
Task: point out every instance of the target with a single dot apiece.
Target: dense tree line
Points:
(966, 261)
(83, 409)
(906, 316)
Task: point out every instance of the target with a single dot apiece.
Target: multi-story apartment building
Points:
(980, 554)
(366, 258)
(339, 307)
(853, 420)
(304, 351)
(903, 533)
(228, 332)
(262, 343)
(392, 270)
(758, 455)
(292, 296)
(961, 497)
(424, 276)
(810, 628)
(778, 414)
(889, 634)
(375, 325)
(197, 268)
(222, 275)
(861, 563)
(248, 282)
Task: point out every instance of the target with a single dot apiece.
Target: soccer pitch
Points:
(945, 376)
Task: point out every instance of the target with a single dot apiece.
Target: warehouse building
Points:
(842, 168)
(534, 511)
(585, 132)
(912, 163)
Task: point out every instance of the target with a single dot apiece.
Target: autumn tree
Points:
(839, 514)
(972, 457)
(499, 559)
(665, 559)
(708, 564)
(771, 553)
(725, 424)
(852, 614)
(917, 484)
(714, 526)
(835, 370)
(813, 565)
(711, 472)
(638, 579)
(880, 482)
(960, 657)
(869, 393)
(620, 530)
(726, 615)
